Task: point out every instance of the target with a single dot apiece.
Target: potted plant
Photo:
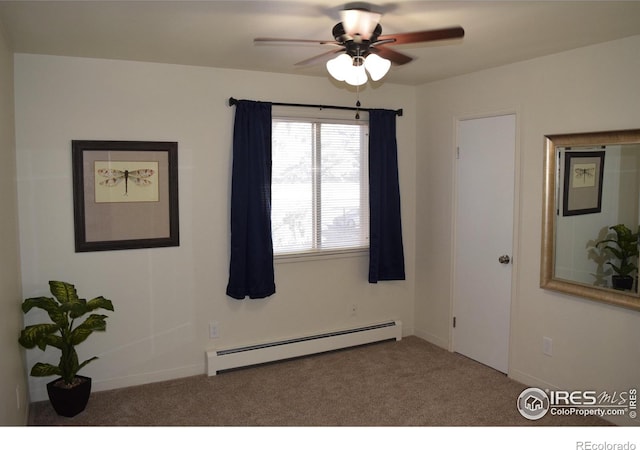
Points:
(70, 392)
(624, 246)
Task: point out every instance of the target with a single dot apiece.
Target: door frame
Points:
(516, 221)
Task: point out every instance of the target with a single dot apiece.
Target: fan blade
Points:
(294, 41)
(395, 57)
(319, 58)
(423, 36)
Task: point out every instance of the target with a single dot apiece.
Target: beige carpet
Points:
(405, 383)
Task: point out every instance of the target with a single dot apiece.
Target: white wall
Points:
(165, 298)
(13, 389)
(595, 346)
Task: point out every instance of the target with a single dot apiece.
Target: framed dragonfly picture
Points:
(583, 172)
(125, 195)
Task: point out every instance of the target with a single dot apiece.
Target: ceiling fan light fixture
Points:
(340, 66)
(361, 42)
(376, 66)
(352, 69)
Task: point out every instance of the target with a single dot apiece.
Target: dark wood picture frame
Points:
(125, 195)
(582, 189)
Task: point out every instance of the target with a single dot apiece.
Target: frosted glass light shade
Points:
(376, 66)
(340, 66)
(357, 76)
(352, 70)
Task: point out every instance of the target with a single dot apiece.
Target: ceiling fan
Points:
(361, 45)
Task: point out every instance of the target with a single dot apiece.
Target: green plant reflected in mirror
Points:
(591, 216)
(623, 248)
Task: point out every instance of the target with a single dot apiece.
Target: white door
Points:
(484, 239)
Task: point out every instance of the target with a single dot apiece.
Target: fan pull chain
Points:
(357, 102)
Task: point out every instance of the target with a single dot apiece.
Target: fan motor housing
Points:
(355, 45)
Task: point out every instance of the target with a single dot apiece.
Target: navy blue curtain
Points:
(386, 253)
(251, 265)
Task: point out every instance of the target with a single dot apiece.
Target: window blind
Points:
(319, 185)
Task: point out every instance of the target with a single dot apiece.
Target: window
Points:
(319, 191)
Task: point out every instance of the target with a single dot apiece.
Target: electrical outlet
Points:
(213, 329)
(547, 346)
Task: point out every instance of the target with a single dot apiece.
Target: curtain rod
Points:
(233, 101)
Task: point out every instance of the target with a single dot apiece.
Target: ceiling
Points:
(220, 33)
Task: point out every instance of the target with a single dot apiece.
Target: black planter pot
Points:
(69, 402)
(622, 283)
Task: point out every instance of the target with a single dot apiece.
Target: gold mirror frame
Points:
(549, 208)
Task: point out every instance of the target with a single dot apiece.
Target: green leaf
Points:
(77, 309)
(99, 302)
(624, 233)
(53, 340)
(45, 370)
(616, 252)
(38, 334)
(87, 362)
(49, 305)
(63, 292)
(605, 240)
(95, 322)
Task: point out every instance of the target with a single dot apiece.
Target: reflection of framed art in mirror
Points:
(557, 278)
(582, 190)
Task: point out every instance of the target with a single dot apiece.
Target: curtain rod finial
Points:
(232, 101)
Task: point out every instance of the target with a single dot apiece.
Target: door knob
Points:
(504, 259)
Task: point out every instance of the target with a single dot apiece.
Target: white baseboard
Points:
(435, 340)
(530, 380)
(39, 393)
(275, 350)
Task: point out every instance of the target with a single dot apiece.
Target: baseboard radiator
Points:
(232, 358)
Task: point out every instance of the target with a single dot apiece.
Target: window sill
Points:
(286, 258)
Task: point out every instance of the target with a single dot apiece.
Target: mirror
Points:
(591, 216)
